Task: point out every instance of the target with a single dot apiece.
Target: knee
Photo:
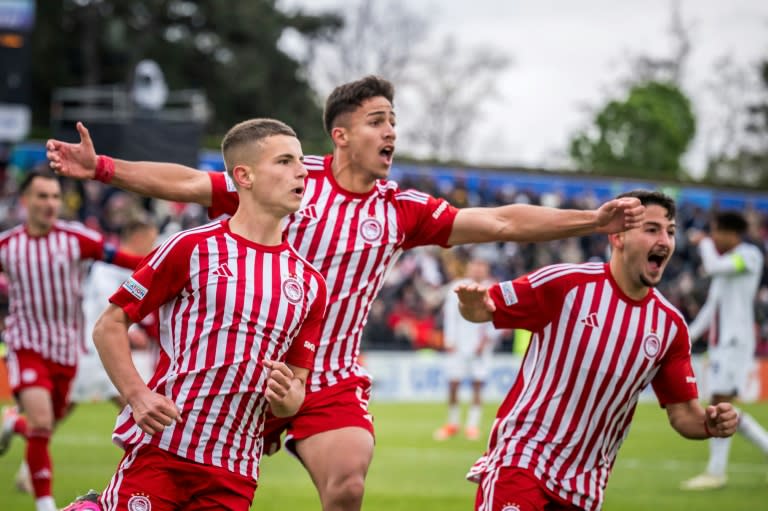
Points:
(347, 491)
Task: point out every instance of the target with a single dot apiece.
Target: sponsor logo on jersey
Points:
(439, 211)
(690, 379)
(135, 288)
(371, 230)
(223, 271)
(591, 320)
(293, 290)
(508, 292)
(139, 502)
(308, 212)
(309, 346)
(651, 345)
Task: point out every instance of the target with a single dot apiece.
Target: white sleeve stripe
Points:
(414, 197)
(166, 247)
(543, 280)
(80, 229)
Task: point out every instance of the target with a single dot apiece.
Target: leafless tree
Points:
(442, 87)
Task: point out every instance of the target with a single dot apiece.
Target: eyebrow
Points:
(380, 112)
(658, 224)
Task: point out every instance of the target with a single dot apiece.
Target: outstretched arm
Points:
(692, 421)
(167, 181)
(522, 222)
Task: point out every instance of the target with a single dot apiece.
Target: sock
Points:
(718, 456)
(473, 417)
(20, 426)
(45, 504)
(753, 431)
(39, 461)
(453, 414)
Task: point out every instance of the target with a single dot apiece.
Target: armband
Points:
(105, 169)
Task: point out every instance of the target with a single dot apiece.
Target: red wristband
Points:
(105, 169)
(707, 430)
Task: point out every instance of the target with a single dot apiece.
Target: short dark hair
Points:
(44, 173)
(731, 221)
(648, 197)
(349, 96)
(252, 130)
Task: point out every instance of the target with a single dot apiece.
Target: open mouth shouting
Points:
(387, 153)
(298, 191)
(656, 260)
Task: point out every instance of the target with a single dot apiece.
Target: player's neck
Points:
(34, 229)
(631, 288)
(348, 176)
(256, 226)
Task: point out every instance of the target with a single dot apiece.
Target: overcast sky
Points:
(569, 54)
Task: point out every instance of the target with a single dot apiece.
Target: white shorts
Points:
(729, 369)
(92, 382)
(460, 366)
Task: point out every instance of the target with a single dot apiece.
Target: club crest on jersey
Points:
(510, 507)
(651, 345)
(139, 502)
(371, 230)
(293, 291)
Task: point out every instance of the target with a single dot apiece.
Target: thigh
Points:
(456, 366)
(145, 479)
(334, 456)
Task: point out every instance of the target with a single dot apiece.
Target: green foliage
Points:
(644, 135)
(228, 49)
(412, 472)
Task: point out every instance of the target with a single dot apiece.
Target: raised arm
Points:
(727, 264)
(692, 421)
(167, 181)
(522, 222)
(152, 411)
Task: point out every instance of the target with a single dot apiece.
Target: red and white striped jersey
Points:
(593, 351)
(353, 239)
(45, 275)
(226, 304)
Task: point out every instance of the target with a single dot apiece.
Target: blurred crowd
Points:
(407, 315)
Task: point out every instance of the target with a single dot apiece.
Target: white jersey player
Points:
(469, 347)
(91, 382)
(728, 313)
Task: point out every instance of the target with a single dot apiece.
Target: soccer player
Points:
(240, 312)
(353, 225)
(729, 314)
(601, 334)
(44, 260)
(470, 347)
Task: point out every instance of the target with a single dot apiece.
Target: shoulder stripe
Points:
(314, 162)
(555, 268)
(383, 186)
(164, 249)
(77, 227)
(413, 195)
(11, 232)
(564, 270)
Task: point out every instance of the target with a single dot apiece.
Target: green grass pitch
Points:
(412, 472)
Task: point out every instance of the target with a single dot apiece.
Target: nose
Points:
(390, 133)
(301, 171)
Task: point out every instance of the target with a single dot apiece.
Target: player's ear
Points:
(616, 240)
(339, 135)
(242, 176)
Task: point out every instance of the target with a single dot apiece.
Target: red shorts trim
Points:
(516, 489)
(151, 478)
(27, 368)
(338, 406)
